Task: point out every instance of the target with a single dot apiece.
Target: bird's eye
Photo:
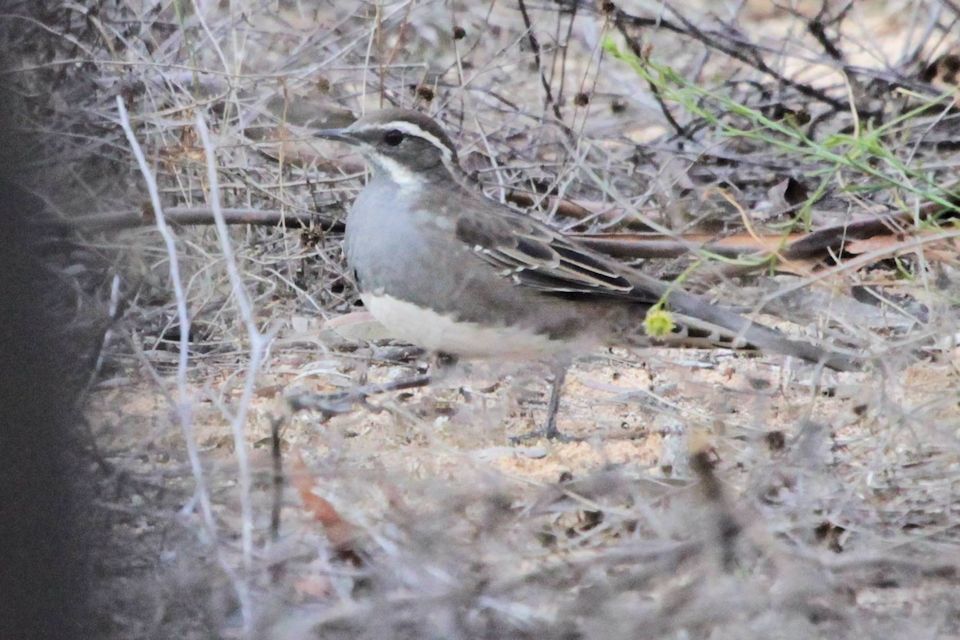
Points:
(393, 137)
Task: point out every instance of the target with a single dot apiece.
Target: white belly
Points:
(436, 332)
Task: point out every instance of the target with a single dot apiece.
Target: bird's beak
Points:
(340, 135)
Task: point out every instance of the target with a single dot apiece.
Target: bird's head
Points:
(404, 145)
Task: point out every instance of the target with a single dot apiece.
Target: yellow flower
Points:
(658, 322)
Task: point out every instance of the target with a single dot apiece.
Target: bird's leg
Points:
(553, 406)
(443, 363)
(444, 360)
(550, 430)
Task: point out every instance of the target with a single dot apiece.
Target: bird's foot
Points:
(537, 434)
(549, 432)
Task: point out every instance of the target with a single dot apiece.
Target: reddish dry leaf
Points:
(948, 255)
(765, 242)
(314, 587)
(340, 532)
(875, 243)
(893, 244)
(740, 243)
(801, 268)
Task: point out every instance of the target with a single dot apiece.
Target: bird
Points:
(447, 269)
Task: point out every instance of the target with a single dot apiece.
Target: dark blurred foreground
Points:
(45, 536)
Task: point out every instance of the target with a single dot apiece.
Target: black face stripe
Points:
(393, 137)
(399, 131)
(409, 124)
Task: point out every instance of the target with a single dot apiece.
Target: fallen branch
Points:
(821, 243)
(185, 216)
(332, 404)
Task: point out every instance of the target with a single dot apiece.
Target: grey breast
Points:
(403, 245)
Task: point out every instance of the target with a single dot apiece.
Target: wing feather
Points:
(534, 255)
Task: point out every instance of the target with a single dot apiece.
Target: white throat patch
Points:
(404, 177)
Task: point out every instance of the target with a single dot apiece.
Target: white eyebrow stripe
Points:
(411, 129)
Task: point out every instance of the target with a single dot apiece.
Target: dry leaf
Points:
(340, 533)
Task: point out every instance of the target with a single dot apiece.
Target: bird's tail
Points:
(700, 318)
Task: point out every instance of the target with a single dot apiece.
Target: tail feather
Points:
(741, 329)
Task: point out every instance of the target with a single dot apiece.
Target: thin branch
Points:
(733, 50)
(258, 345)
(187, 216)
(637, 50)
(535, 46)
(332, 404)
(184, 404)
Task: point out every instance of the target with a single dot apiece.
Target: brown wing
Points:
(535, 256)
